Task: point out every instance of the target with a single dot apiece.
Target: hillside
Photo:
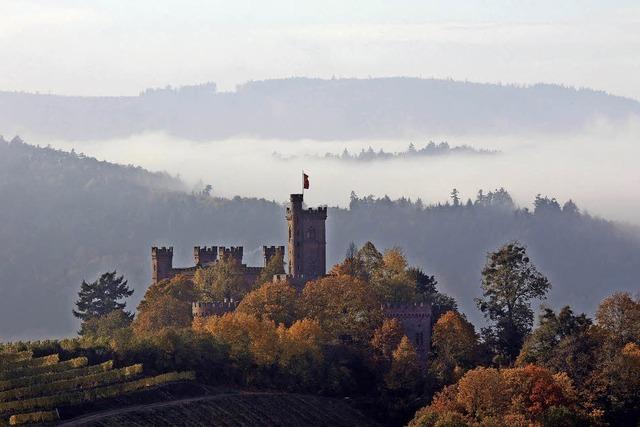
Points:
(239, 409)
(317, 109)
(65, 218)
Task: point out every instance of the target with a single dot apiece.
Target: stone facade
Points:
(416, 320)
(162, 261)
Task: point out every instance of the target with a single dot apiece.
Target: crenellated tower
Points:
(205, 255)
(307, 240)
(162, 263)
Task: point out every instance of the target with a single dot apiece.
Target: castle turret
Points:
(204, 255)
(235, 252)
(307, 240)
(162, 263)
(271, 251)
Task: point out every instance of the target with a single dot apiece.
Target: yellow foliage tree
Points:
(343, 305)
(455, 345)
(405, 367)
(247, 336)
(387, 338)
(166, 305)
(223, 279)
(273, 301)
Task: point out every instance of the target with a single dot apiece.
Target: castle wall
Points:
(416, 320)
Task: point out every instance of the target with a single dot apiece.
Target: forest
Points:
(317, 109)
(67, 218)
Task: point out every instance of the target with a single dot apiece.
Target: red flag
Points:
(305, 181)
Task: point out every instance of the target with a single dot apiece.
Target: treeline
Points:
(429, 150)
(301, 108)
(65, 218)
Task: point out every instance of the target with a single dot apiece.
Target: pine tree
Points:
(99, 298)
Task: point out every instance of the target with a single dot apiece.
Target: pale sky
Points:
(119, 47)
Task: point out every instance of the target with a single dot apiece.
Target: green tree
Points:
(101, 297)
(273, 267)
(510, 282)
(224, 279)
(426, 291)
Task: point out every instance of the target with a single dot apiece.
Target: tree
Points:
(509, 282)
(391, 279)
(276, 301)
(107, 326)
(387, 338)
(455, 345)
(562, 342)
(166, 305)
(249, 338)
(99, 298)
(619, 316)
(455, 197)
(222, 280)
(426, 291)
(343, 305)
(405, 367)
(273, 267)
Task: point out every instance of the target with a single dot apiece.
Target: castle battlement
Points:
(235, 252)
(155, 250)
(205, 255)
(204, 309)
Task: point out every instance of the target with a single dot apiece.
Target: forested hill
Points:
(65, 218)
(317, 109)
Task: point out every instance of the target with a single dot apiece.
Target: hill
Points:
(65, 218)
(238, 409)
(317, 109)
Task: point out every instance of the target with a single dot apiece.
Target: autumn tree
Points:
(301, 351)
(455, 346)
(405, 367)
(277, 301)
(391, 279)
(510, 282)
(223, 279)
(250, 340)
(387, 337)
(166, 304)
(343, 305)
(619, 316)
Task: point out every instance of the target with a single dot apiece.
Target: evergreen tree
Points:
(99, 298)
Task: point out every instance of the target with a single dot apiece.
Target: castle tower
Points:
(235, 252)
(271, 251)
(205, 255)
(307, 240)
(162, 263)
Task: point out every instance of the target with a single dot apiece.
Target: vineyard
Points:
(239, 410)
(33, 388)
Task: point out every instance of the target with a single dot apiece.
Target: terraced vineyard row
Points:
(31, 389)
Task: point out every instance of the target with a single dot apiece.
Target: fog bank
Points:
(598, 169)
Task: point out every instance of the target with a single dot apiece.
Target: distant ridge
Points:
(295, 108)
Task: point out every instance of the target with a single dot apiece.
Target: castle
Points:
(306, 261)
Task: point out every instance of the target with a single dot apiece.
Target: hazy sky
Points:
(119, 47)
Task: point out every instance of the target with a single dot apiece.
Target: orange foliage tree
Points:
(274, 301)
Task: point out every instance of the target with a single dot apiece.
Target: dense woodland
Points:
(67, 218)
(298, 108)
